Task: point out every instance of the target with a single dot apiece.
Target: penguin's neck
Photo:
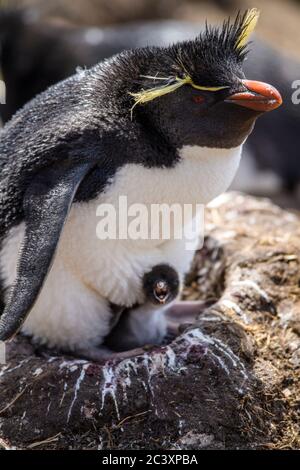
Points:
(198, 176)
(210, 171)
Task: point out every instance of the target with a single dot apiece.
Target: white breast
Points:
(87, 271)
(114, 267)
(201, 175)
(111, 265)
(209, 171)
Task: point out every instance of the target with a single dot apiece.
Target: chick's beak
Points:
(161, 292)
(259, 96)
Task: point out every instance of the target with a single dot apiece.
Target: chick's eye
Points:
(198, 99)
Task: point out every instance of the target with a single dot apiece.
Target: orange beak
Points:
(259, 96)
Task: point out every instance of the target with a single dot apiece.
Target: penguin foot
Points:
(179, 316)
(182, 314)
(103, 354)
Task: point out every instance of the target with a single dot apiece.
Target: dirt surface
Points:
(228, 381)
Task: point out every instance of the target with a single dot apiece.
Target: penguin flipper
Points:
(46, 204)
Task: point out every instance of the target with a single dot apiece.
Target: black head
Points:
(161, 284)
(195, 92)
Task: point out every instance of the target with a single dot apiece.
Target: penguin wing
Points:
(46, 204)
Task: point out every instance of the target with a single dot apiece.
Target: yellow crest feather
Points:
(204, 88)
(248, 27)
(144, 96)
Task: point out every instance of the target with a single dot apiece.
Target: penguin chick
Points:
(161, 285)
(157, 125)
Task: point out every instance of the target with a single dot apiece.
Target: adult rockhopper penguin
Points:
(158, 125)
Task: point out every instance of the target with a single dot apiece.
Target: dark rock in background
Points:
(98, 12)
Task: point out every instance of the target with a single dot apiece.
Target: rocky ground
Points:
(230, 380)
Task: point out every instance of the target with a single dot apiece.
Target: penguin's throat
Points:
(210, 170)
(200, 175)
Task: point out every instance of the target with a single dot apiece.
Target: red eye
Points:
(198, 99)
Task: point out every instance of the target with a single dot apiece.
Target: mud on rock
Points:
(230, 380)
